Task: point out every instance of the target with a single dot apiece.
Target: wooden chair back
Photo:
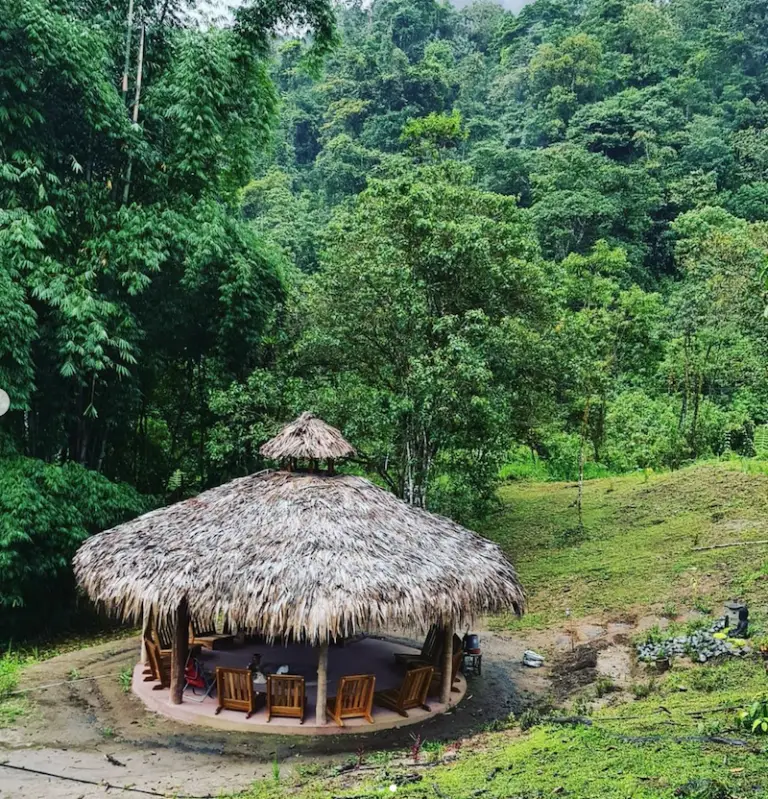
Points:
(285, 696)
(354, 698)
(158, 665)
(431, 644)
(234, 690)
(414, 688)
(456, 664)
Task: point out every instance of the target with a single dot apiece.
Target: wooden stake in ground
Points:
(322, 684)
(446, 685)
(179, 651)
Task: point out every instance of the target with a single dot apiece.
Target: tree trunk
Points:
(128, 32)
(447, 683)
(582, 441)
(179, 651)
(322, 684)
(136, 102)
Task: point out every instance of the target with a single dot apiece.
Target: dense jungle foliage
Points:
(467, 237)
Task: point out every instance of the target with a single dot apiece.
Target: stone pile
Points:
(701, 645)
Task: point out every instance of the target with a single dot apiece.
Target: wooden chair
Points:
(430, 651)
(437, 677)
(147, 671)
(159, 666)
(411, 693)
(286, 696)
(210, 640)
(234, 690)
(353, 700)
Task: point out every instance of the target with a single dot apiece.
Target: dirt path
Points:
(71, 729)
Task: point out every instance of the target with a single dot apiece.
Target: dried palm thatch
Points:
(296, 554)
(308, 438)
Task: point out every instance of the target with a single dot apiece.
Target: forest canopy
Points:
(467, 237)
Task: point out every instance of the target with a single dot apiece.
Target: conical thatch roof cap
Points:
(310, 438)
(290, 553)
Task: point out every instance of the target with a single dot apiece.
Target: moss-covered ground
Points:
(675, 734)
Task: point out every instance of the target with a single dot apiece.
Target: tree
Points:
(423, 322)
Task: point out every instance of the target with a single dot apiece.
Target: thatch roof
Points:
(308, 438)
(290, 553)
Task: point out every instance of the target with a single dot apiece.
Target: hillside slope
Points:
(636, 551)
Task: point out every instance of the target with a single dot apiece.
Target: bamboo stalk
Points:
(128, 31)
(135, 116)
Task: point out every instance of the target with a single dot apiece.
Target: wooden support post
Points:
(322, 684)
(179, 651)
(445, 686)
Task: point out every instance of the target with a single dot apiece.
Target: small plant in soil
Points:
(125, 678)
(701, 604)
(604, 686)
(581, 706)
(434, 751)
(670, 610)
(73, 674)
(530, 717)
(704, 789)
(499, 725)
(416, 747)
(642, 690)
(380, 758)
(710, 727)
(275, 770)
(755, 717)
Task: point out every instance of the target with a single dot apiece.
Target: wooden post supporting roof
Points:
(322, 684)
(447, 664)
(179, 651)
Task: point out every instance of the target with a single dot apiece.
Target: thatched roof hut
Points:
(308, 438)
(302, 554)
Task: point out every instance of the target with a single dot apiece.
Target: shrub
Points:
(755, 717)
(46, 511)
(603, 686)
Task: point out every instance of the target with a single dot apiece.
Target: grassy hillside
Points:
(669, 735)
(636, 551)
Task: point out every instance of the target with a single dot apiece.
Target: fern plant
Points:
(760, 442)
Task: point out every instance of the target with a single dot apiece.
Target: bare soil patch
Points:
(72, 727)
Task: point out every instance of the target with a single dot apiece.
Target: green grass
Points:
(642, 748)
(12, 706)
(637, 551)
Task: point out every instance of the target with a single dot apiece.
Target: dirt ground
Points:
(93, 731)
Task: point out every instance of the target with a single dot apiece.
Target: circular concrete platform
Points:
(366, 656)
